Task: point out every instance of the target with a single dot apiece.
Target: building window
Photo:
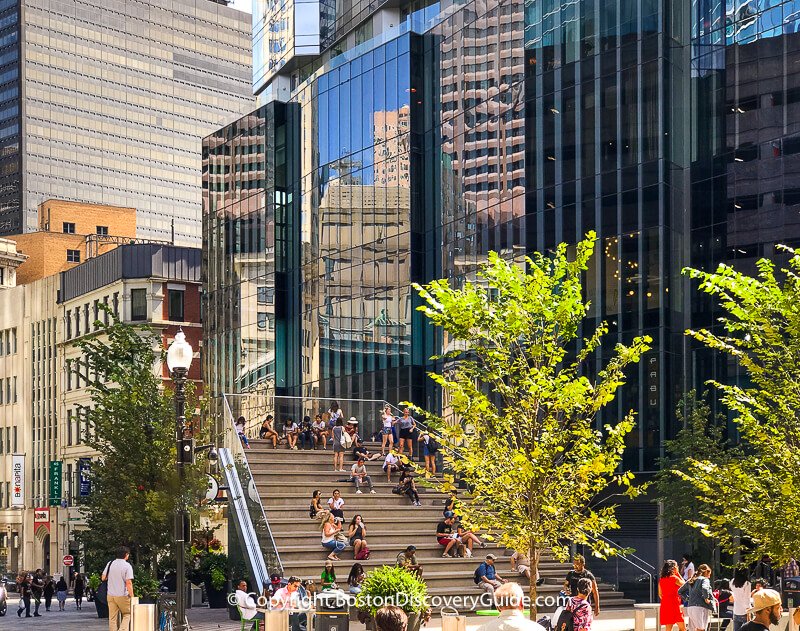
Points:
(73, 256)
(68, 227)
(262, 321)
(102, 231)
(2, 275)
(175, 305)
(138, 304)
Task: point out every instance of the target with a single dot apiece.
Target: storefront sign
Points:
(41, 517)
(18, 481)
(56, 468)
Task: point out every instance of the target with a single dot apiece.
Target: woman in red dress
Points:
(668, 585)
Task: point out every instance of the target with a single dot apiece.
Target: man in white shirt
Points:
(391, 463)
(358, 475)
(246, 604)
(119, 575)
(509, 600)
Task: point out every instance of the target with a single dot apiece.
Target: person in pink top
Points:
(287, 597)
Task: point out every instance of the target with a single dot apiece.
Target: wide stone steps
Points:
(285, 480)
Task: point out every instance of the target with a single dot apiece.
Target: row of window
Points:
(8, 440)
(8, 340)
(81, 314)
(68, 227)
(8, 390)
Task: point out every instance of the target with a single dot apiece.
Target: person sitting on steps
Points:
(447, 538)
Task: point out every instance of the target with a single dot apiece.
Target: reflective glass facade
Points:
(425, 135)
(117, 97)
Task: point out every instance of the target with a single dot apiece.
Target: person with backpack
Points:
(429, 450)
(510, 600)
(577, 615)
(486, 576)
(119, 576)
(701, 599)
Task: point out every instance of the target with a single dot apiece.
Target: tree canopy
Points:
(131, 425)
(753, 498)
(538, 459)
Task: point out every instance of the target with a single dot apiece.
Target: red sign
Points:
(69, 560)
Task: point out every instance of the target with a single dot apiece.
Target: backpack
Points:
(363, 555)
(566, 621)
(433, 446)
(476, 576)
(346, 440)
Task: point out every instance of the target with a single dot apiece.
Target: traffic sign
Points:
(69, 560)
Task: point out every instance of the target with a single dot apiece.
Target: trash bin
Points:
(332, 611)
(790, 591)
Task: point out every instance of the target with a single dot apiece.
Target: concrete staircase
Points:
(286, 479)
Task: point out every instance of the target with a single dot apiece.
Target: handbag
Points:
(102, 591)
(340, 536)
(346, 440)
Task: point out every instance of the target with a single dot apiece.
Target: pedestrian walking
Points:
(61, 593)
(578, 572)
(24, 590)
(670, 613)
(80, 590)
(700, 597)
(37, 591)
(740, 588)
(49, 590)
(119, 575)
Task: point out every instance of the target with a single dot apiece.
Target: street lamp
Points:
(179, 358)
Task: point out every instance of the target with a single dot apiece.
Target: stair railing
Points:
(250, 519)
(632, 560)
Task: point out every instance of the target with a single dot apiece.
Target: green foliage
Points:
(538, 458)
(94, 581)
(131, 424)
(753, 497)
(145, 586)
(207, 562)
(392, 585)
(701, 437)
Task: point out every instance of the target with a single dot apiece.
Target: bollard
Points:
(143, 617)
(640, 612)
(276, 620)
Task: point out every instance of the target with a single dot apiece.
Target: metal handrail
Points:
(232, 439)
(631, 555)
(622, 555)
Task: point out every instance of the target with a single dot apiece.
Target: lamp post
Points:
(179, 358)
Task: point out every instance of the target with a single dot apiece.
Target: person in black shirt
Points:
(722, 592)
(24, 589)
(37, 589)
(446, 538)
(578, 572)
(766, 610)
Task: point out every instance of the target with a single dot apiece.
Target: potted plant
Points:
(393, 585)
(92, 584)
(146, 588)
(210, 567)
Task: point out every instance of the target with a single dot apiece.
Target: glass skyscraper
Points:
(402, 144)
(107, 101)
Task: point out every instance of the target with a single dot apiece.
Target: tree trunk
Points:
(534, 554)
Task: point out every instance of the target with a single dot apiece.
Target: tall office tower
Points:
(106, 102)
(401, 142)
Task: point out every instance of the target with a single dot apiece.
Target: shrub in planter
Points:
(145, 587)
(393, 586)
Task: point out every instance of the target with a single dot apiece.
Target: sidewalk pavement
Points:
(203, 619)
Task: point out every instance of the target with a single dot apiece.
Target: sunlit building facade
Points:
(107, 102)
(419, 138)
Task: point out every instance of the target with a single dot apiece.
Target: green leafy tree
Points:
(754, 498)
(538, 458)
(701, 437)
(131, 425)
